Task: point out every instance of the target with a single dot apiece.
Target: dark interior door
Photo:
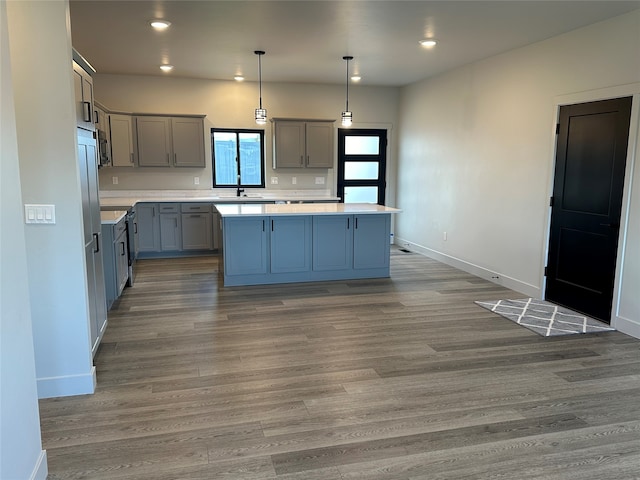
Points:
(591, 155)
(362, 165)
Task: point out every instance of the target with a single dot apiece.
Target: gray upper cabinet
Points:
(154, 141)
(83, 87)
(170, 141)
(289, 145)
(188, 142)
(303, 144)
(121, 131)
(319, 142)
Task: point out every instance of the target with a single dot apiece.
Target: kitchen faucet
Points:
(239, 190)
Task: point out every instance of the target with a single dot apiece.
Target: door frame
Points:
(631, 90)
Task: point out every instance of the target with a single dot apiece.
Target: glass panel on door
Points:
(360, 170)
(360, 194)
(361, 145)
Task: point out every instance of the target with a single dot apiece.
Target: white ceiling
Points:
(305, 41)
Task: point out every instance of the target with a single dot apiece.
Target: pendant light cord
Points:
(260, 76)
(260, 53)
(347, 59)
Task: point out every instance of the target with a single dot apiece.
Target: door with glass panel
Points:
(362, 163)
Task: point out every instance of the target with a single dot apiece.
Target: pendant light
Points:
(261, 113)
(347, 116)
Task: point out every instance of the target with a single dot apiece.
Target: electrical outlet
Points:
(114, 180)
(294, 180)
(274, 180)
(319, 180)
(196, 180)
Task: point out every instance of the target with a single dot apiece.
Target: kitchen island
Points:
(285, 243)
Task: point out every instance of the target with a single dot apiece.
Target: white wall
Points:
(40, 45)
(476, 155)
(229, 104)
(21, 454)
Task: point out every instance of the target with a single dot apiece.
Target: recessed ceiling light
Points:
(356, 78)
(166, 68)
(238, 78)
(160, 24)
(428, 42)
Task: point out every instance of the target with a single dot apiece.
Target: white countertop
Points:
(129, 202)
(264, 209)
(112, 216)
(129, 199)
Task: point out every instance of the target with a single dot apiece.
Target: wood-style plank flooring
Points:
(401, 378)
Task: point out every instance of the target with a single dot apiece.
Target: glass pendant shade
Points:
(261, 116)
(347, 119)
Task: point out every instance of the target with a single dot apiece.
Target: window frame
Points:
(237, 132)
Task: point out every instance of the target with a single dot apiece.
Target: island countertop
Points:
(264, 209)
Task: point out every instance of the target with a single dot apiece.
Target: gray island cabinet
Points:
(266, 243)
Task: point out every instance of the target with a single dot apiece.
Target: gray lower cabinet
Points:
(170, 229)
(246, 251)
(371, 241)
(332, 242)
(115, 256)
(148, 218)
(290, 240)
(197, 226)
(173, 229)
(302, 248)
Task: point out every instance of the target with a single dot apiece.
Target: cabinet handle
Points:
(131, 157)
(95, 112)
(87, 111)
(135, 227)
(348, 223)
(195, 215)
(154, 211)
(175, 158)
(356, 220)
(307, 160)
(301, 159)
(263, 225)
(272, 225)
(97, 239)
(122, 249)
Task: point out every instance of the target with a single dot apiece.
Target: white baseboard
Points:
(626, 325)
(508, 282)
(66, 386)
(40, 470)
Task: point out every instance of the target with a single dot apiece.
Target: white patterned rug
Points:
(544, 318)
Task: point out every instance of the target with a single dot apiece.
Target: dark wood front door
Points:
(591, 155)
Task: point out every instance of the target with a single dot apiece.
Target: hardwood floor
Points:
(401, 378)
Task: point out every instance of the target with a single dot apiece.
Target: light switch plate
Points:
(43, 214)
(274, 180)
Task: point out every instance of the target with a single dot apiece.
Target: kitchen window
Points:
(238, 157)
